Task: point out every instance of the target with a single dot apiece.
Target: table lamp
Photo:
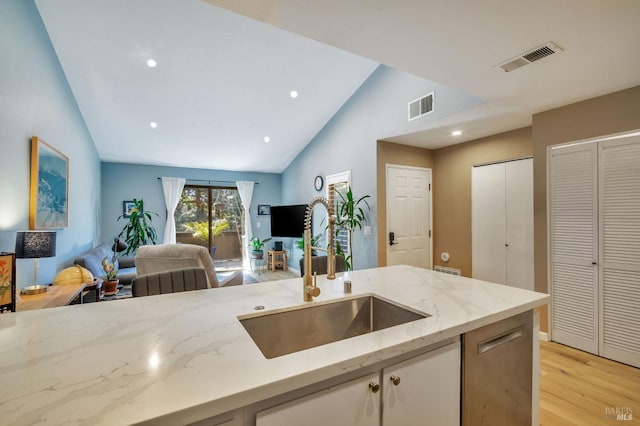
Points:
(35, 245)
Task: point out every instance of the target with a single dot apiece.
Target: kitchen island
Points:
(185, 357)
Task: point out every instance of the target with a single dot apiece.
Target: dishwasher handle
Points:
(501, 339)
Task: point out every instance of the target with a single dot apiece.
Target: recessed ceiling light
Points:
(151, 63)
(267, 139)
(456, 133)
(293, 94)
(153, 124)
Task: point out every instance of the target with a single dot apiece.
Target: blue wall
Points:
(35, 100)
(121, 182)
(378, 110)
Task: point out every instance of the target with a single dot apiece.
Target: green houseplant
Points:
(110, 267)
(350, 215)
(201, 231)
(256, 245)
(138, 231)
(315, 240)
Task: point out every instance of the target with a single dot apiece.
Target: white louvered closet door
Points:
(620, 245)
(574, 245)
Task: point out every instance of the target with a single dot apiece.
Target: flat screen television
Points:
(288, 221)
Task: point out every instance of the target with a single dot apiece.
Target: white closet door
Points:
(519, 217)
(488, 217)
(573, 245)
(620, 237)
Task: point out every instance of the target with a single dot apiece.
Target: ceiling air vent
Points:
(421, 106)
(528, 57)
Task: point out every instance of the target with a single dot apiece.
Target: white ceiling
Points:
(457, 43)
(222, 82)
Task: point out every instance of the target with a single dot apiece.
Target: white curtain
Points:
(172, 188)
(245, 190)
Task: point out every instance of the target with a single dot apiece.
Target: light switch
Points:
(258, 224)
(367, 230)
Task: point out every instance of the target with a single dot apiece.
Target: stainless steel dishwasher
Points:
(497, 373)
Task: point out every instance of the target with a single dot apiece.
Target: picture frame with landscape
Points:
(49, 189)
(127, 207)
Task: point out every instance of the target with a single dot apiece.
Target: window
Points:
(211, 217)
(342, 181)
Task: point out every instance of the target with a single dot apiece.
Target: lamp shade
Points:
(118, 246)
(35, 244)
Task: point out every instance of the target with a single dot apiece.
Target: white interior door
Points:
(620, 247)
(488, 223)
(409, 216)
(519, 221)
(573, 245)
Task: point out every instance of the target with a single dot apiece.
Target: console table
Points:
(276, 258)
(56, 295)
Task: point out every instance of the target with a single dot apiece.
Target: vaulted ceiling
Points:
(225, 68)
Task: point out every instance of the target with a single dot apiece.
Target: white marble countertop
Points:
(138, 359)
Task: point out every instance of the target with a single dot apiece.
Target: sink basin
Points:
(282, 333)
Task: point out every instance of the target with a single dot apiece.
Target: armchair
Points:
(169, 257)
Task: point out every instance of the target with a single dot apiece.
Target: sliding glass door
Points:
(211, 217)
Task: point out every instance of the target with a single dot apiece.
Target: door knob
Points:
(375, 387)
(395, 380)
(392, 239)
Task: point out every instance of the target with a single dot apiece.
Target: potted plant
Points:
(256, 245)
(201, 231)
(315, 240)
(139, 230)
(350, 215)
(110, 266)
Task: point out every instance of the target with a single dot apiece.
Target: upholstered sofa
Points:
(92, 260)
(171, 257)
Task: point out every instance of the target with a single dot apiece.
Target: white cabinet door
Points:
(349, 404)
(502, 223)
(488, 217)
(519, 223)
(573, 220)
(427, 390)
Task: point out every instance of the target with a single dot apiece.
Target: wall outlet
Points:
(258, 224)
(367, 230)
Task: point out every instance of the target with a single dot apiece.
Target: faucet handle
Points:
(313, 291)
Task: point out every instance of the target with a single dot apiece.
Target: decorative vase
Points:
(110, 287)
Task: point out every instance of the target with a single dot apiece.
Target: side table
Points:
(95, 285)
(257, 265)
(275, 259)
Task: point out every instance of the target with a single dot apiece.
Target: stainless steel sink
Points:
(302, 328)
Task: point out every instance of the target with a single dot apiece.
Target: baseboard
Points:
(297, 271)
(543, 336)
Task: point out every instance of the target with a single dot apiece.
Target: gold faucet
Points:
(309, 287)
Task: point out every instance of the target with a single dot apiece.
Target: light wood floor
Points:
(576, 387)
(279, 274)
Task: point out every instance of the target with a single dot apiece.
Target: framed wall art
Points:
(49, 194)
(7, 282)
(127, 207)
(264, 209)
